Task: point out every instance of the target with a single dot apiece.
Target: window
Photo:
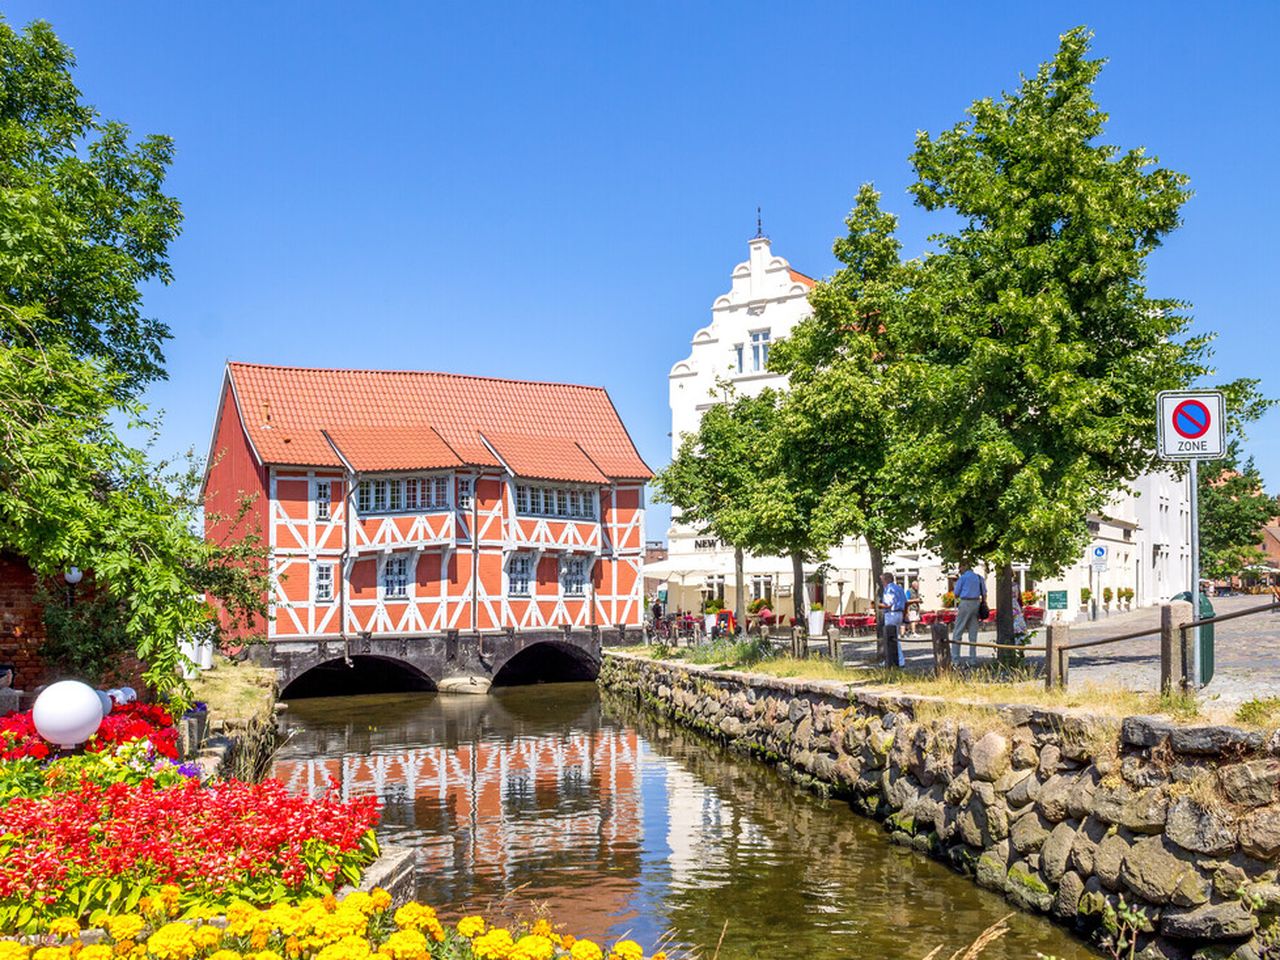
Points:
(762, 588)
(555, 502)
(413, 487)
(562, 503)
(574, 577)
(440, 492)
(714, 587)
(520, 575)
(522, 499)
(324, 582)
(759, 349)
(575, 503)
(737, 355)
(395, 578)
(364, 496)
(379, 496)
(322, 499)
(395, 494)
(464, 493)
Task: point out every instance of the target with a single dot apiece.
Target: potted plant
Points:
(949, 600)
(711, 608)
(817, 619)
(1107, 595)
(1028, 598)
(1085, 596)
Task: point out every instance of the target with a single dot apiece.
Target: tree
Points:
(1032, 351)
(1233, 510)
(841, 409)
(84, 223)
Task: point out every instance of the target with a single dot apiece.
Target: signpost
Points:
(1191, 426)
(1057, 599)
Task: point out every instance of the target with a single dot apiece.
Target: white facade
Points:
(1146, 531)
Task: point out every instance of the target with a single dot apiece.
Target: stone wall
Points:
(1063, 812)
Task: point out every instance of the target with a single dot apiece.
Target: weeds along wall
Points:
(1169, 833)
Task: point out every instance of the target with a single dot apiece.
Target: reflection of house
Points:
(1146, 533)
(410, 504)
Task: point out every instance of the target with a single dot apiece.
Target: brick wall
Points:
(21, 622)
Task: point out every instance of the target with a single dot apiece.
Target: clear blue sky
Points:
(558, 191)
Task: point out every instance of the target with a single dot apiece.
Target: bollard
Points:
(1173, 648)
(1056, 655)
(833, 646)
(941, 638)
(799, 643)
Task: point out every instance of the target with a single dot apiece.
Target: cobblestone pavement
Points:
(1247, 654)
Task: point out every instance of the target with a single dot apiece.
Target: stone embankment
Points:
(1063, 812)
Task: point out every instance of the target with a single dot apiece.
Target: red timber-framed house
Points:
(446, 522)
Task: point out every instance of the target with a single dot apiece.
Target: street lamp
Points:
(67, 713)
(840, 597)
(73, 576)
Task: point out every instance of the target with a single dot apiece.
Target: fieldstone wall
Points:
(1063, 812)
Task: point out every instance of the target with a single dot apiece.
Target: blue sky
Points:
(558, 191)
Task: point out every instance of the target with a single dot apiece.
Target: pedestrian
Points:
(893, 601)
(913, 607)
(971, 593)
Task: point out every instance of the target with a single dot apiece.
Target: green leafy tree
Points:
(841, 410)
(84, 223)
(1032, 351)
(1234, 508)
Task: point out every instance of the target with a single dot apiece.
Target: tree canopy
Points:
(1234, 508)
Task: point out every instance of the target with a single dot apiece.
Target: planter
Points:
(709, 622)
(817, 620)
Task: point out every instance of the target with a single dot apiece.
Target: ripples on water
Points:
(548, 798)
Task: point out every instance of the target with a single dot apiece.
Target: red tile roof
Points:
(370, 449)
(287, 409)
(799, 277)
(545, 458)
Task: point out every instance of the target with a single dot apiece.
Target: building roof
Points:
(398, 419)
(799, 277)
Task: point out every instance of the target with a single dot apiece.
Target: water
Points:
(550, 798)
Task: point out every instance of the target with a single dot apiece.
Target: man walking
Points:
(893, 601)
(971, 590)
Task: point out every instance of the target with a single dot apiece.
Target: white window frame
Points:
(395, 496)
(324, 494)
(759, 349)
(520, 575)
(465, 491)
(364, 497)
(379, 496)
(439, 492)
(738, 353)
(573, 576)
(522, 498)
(413, 488)
(322, 576)
(395, 586)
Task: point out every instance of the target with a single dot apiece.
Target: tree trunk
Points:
(740, 594)
(1004, 605)
(797, 589)
(877, 570)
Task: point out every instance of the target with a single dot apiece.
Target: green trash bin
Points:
(1206, 635)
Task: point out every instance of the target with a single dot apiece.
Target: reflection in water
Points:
(541, 796)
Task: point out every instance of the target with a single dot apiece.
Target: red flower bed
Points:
(73, 852)
(125, 723)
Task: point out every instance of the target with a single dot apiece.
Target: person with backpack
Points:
(971, 601)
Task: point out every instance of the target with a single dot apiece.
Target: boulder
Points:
(1193, 828)
(1056, 851)
(1212, 741)
(991, 871)
(989, 757)
(1153, 870)
(1260, 832)
(731, 727)
(1024, 790)
(1025, 888)
(1109, 859)
(1253, 783)
(1052, 799)
(1050, 760)
(1084, 848)
(1067, 900)
(1025, 757)
(1029, 832)
(1080, 799)
(1210, 921)
(1139, 731)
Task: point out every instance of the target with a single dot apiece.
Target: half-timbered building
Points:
(412, 505)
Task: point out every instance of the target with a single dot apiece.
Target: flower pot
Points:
(817, 619)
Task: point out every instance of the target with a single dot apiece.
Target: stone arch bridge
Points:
(450, 662)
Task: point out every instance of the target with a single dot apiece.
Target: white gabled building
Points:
(1146, 532)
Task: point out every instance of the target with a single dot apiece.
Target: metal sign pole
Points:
(1195, 573)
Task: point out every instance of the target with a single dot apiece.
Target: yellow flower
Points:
(241, 918)
(207, 936)
(224, 955)
(264, 955)
(414, 916)
(358, 900)
(52, 953)
(494, 945)
(127, 926)
(436, 929)
(173, 941)
(65, 927)
(471, 926)
(381, 899)
(95, 951)
(626, 950)
(348, 948)
(330, 927)
(12, 950)
(533, 946)
(405, 945)
(585, 950)
(660, 955)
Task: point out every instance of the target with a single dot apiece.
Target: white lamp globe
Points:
(105, 701)
(67, 713)
(73, 576)
(130, 695)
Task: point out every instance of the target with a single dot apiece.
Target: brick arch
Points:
(360, 673)
(549, 661)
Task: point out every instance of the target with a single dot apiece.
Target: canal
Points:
(556, 800)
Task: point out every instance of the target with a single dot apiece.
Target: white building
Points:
(1146, 533)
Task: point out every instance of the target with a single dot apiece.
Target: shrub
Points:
(1107, 594)
(1029, 598)
(1085, 594)
(949, 599)
(758, 604)
(712, 606)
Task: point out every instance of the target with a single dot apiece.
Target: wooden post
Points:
(833, 646)
(941, 638)
(1173, 652)
(799, 642)
(1056, 659)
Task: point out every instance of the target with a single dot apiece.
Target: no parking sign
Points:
(1192, 425)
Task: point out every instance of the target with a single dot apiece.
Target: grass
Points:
(984, 685)
(1260, 712)
(236, 692)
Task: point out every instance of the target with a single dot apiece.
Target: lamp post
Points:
(840, 597)
(67, 713)
(73, 576)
